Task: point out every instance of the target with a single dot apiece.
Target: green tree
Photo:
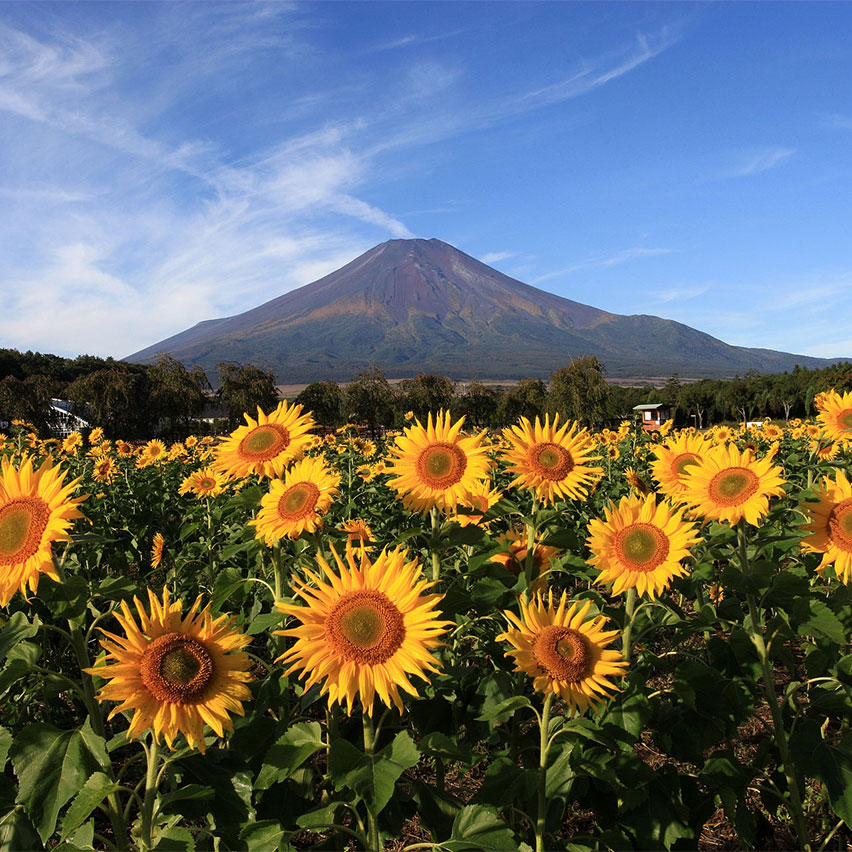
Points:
(370, 399)
(27, 400)
(479, 405)
(175, 393)
(325, 400)
(245, 388)
(579, 391)
(527, 399)
(695, 399)
(424, 394)
(115, 399)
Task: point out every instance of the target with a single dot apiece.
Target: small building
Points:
(653, 415)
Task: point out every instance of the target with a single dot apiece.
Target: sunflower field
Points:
(434, 639)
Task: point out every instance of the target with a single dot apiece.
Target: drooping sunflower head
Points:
(563, 652)
(513, 557)
(729, 485)
(365, 628)
(36, 509)
(829, 526)
(480, 499)
(550, 459)
(297, 504)
(436, 465)
(105, 470)
(640, 544)
(674, 459)
(358, 534)
(175, 673)
(265, 446)
(835, 414)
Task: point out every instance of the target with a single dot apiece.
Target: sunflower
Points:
(295, 505)
(358, 534)
(36, 509)
(104, 470)
(773, 432)
(365, 630)
(563, 652)
(154, 451)
(723, 434)
(157, 550)
(267, 445)
(72, 442)
(728, 485)
(612, 452)
(96, 436)
(824, 450)
(435, 465)
(636, 482)
(640, 544)
(124, 449)
(190, 442)
(514, 555)
(835, 414)
(673, 460)
(549, 459)
(207, 482)
(480, 499)
(176, 673)
(830, 526)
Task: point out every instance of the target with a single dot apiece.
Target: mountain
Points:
(423, 306)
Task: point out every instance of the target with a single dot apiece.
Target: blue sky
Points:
(166, 163)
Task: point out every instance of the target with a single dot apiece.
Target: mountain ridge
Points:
(418, 305)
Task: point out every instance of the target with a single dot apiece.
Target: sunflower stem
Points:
(530, 559)
(211, 559)
(153, 755)
(373, 844)
(433, 546)
(277, 571)
(96, 719)
(629, 617)
(544, 748)
(757, 638)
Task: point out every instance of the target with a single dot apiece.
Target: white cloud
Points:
(679, 294)
(761, 161)
(497, 256)
(623, 256)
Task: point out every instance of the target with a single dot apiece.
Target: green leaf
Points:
(477, 827)
(97, 787)
(288, 753)
(373, 780)
(175, 839)
(262, 836)
(16, 832)
(319, 818)
(823, 623)
(504, 710)
(833, 766)
(16, 628)
(51, 766)
(263, 622)
(5, 743)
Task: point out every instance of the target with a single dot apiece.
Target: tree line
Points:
(138, 401)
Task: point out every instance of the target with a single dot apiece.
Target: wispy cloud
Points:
(497, 256)
(679, 294)
(606, 262)
(761, 161)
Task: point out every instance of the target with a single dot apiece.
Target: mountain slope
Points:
(416, 306)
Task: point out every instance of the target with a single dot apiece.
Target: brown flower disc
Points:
(550, 461)
(733, 486)
(365, 627)
(264, 443)
(641, 546)
(682, 463)
(298, 501)
(176, 668)
(840, 525)
(22, 524)
(562, 653)
(441, 465)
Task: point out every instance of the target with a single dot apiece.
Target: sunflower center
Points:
(550, 461)
(176, 668)
(641, 546)
(733, 486)
(840, 525)
(264, 442)
(22, 523)
(207, 484)
(563, 653)
(298, 501)
(684, 461)
(441, 465)
(365, 627)
(844, 419)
